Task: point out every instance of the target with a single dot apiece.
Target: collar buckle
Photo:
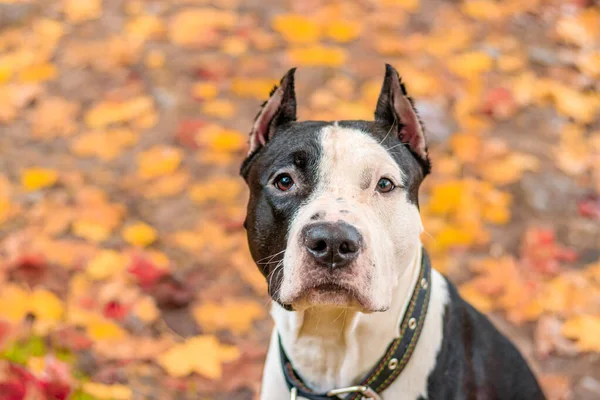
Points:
(366, 391)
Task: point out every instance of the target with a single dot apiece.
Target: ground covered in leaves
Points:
(124, 272)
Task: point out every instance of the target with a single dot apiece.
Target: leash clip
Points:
(366, 391)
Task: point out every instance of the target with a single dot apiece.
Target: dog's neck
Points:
(332, 347)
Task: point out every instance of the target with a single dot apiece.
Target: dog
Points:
(333, 224)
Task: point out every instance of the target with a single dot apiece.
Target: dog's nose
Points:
(332, 245)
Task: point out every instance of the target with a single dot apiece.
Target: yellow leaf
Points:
(38, 178)
(256, 88)
(470, 65)
(13, 303)
(106, 264)
(102, 329)
(204, 90)
(343, 31)
(145, 309)
(38, 73)
(236, 316)
(106, 145)
(182, 359)
(139, 234)
(110, 112)
(584, 330)
(159, 160)
(82, 10)
(318, 55)
(224, 141)
(46, 306)
(107, 392)
(92, 231)
(219, 108)
(296, 28)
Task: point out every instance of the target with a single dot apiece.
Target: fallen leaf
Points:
(182, 359)
(38, 178)
(78, 11)
(236, 316)
(157, 161)
(296, 28)
(139, 234)
(112, 392)
(318, 55)
(584, 330)
(343, 31)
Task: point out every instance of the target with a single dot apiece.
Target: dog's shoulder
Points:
(476, 361)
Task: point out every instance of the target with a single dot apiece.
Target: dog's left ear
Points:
(278, 110)
(396, 108)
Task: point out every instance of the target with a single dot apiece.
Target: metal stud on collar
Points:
(393, 364)
(424, 283)
(412, 323)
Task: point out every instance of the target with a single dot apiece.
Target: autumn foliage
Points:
(124, 271)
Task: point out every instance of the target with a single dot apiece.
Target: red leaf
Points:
(499, 103)
(541, 254)
(145, 271)
(590, 207)
(187, 131)
(115, 310)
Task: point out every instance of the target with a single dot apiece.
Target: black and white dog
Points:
(333, 224)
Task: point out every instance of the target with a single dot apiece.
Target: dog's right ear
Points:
(278, 110)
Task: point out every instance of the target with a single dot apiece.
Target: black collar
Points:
(391, 364)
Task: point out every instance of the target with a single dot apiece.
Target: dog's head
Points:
(333, 212)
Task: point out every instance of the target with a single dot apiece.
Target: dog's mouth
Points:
(332, 294)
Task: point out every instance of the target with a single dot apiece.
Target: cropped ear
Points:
(278, 110)
(396, 108)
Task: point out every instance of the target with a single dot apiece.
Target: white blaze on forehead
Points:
(350, 158)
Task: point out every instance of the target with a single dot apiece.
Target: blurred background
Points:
(124, 271)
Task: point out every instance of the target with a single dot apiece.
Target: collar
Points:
(393, 361)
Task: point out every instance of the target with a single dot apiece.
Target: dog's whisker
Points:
(396, 145)
(270, 256)
(388, 133)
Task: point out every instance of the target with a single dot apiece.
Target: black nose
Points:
(332, 245)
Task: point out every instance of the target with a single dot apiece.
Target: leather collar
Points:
(393, 361)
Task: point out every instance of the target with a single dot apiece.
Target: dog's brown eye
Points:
(284, 182)
(385, 185)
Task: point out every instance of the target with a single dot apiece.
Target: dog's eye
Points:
(284, 182)
(385, 185)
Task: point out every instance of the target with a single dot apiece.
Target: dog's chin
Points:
(331, 295)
